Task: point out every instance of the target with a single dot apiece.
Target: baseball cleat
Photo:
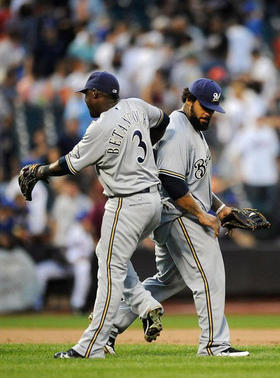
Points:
(231, 352)
(71, 353)
(110, 346)
(152, 325)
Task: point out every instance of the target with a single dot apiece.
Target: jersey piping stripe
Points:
(160, 118)
(171, 173)
(70, 166)
(109, 287)
(208, 301)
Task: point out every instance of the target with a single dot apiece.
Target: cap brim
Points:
(82, 90)
(216, 108)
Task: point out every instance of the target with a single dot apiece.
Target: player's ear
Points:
(188, 104)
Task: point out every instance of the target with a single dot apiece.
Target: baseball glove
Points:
(27, 180)
(245, 219)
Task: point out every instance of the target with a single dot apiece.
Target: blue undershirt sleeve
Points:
(158, 131)
(64, 167)
(174, 186)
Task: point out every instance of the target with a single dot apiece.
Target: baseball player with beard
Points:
(119, 145)
(187, 248)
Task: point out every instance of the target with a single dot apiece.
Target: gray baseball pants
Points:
(126, 221)
(187, 254)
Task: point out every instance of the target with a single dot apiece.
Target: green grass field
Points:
(143, 361)
(135, 361)
(169, 321)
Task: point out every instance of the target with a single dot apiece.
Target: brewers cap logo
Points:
(216, 97)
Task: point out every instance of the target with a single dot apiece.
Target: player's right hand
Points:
(210, 221)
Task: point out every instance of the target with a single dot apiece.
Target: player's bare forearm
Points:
(58, 168)
(188, 203)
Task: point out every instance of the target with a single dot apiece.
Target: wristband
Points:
(220, 209)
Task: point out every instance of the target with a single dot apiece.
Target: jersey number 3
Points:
(141, 144)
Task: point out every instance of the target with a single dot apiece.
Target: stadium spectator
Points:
(241, 44)
(256, 151)
(243, 106)
(68, 203)
(19, 284)
(74, 261)
(263, 71)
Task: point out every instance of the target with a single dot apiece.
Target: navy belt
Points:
(151, 189)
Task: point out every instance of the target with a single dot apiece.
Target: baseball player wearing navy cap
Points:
(187, 249)
(104, 82)
(208, 94)
(119, 145)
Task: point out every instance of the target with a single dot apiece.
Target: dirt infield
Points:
(238, 307)
(169, 336)
(181, 337)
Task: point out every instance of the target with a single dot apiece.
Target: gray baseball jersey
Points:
(187, 254)
(183, 153)
(117, 145)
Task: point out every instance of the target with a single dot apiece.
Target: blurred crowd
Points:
(155, 48)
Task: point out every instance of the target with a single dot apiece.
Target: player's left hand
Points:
(27, 180)
(224, 212)
(245, 219)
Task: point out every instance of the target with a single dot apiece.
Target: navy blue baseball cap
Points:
(103, 81)
(208, 94)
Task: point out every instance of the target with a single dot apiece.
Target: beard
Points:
(196, 122)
